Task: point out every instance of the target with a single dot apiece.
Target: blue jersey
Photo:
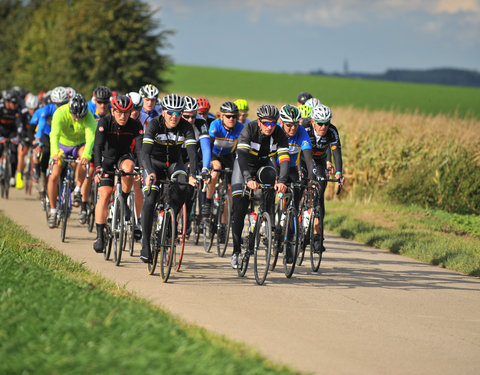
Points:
(36, 116)
(92, 107)
(45, 120)
(300, 141)
(224, 141)
(145, 117)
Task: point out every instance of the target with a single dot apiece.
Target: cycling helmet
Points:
(10, 96)
(268, 111)
(71, 92)
(173, 102)
(137, 99)
(191, 104)
(149, 91)
(242, 105)
(305, 109)
(313, 102)
(203, 104)
(102, 94)
(321, 114)
(122, 103)
(78, 106)
(290, 113)
(229, 107)
(303, 97)
(32, 101)
(59, 95)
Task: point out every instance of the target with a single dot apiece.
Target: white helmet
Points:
(321, 114)
(71, 92)
(313, 102)
(32, 101)
(149, 91)
(59, 95)
(137, 99)
(173, 102)
(191, 104)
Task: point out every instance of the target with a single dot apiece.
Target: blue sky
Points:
(305, 35)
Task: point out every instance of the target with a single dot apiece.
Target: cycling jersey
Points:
(224, 140)
(113, 141)
(45, 120)
(10, 121)
(165, 145)
(92, 107)
(253, 146)
(68, 132)
(200, 129)
(145, 118)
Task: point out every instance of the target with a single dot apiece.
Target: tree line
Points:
(81, 44)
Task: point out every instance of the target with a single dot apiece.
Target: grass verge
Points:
(59, 318)
(432, 236)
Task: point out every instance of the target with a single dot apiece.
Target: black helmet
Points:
(102, 94)
(303, 97)
(229, 107)
(78, 106)
(11, 96)
(121, 103)
(268, 111)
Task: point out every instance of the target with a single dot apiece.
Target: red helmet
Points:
(203, 104)
(121, 103)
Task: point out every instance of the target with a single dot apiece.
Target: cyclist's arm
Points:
(90, 128)
(283, 157)
(191, 146)
(308, 156)
(205, 146)
(99, 145)
(147, 146)
(57, 120)
(243, 152)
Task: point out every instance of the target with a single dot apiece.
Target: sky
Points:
(300, 36)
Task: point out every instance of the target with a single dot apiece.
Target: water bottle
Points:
(253, 220)
(282, 220)
(160, 219)
(306, 218)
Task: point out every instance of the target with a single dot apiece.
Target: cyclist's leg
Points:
(127, 164)
(318, 232)
(239, 207)
(101, 210)
(177, 193)
(215, 164)
(267, 174)
(22, 151)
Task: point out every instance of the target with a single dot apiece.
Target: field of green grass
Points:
(333, 91)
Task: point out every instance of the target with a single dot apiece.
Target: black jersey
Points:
(165, 145)
(113, 141)
(10, 121)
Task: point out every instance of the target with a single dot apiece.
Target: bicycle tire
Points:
(107, 250)
(92, 202)
(132, 224)
(277, 235)
(315, 257)
(7, 173)
(118, 229)
(29, 175)
(167, 244)
(290, 241)
(65, 209)
(262, 247)
(182, 220)
(226, 204)
(208, 235)
(154, 241)
(246, 248)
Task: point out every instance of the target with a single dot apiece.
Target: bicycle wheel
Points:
(316, 256)
(247, 249)
(197, 218)
(290, 242)
(118, 228)
(222, 241)
(132, 224)
(92, 202)
(29, 175)
(108, 242)
(2, 177)
(277, 238)
(7, 173)
(167, 244)
(155, 240)
(208, 232)
(182, 236)
(262, 247)
(64, 211)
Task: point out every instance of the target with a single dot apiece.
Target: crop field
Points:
(334, 91)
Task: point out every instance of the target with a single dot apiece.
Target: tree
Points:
(87, 43)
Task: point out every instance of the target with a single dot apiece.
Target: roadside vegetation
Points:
(59, 318)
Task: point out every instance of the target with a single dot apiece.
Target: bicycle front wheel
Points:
(262, 247)
(316, 254)
(92, 202)
(208, 233)
(155, 240)
(182, 236)
(167, 244)
(65, 203)
(290, 242)
(118, 228)
(223, 229)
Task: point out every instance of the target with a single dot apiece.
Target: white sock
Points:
(53, 211)
(78, 189)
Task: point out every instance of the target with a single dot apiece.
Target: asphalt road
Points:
(366, 311)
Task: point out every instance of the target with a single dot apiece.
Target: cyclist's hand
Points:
(206, 176)
(280, 187)
(56, 158)
(97, 178)
(147, 182)
(252, 185)
(192, 180)
(83, 161)
(340, 178)
(330, 169)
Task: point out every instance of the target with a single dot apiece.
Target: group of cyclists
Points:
(176, 139)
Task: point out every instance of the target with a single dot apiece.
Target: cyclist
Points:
(72, 134)
(113, 139)
(10, 122)
(204, 110)
(259, 140)
(303, 97)
(149, 112)
(100, 103)
(162, 158)
(323, 135)
(243, 108)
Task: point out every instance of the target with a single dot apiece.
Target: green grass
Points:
(448, 240)
(59, 318)
(334, 91)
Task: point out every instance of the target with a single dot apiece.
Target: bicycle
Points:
(133, 223)
(310, 214)
(29, 167)
(287, 230)
(257, 239)
(6, 171)
(92, 201)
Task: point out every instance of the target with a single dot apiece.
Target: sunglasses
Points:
(174, 113)
(322, 123)
(290, 124)
(186, 117)
(231, 116)
(268, 123)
